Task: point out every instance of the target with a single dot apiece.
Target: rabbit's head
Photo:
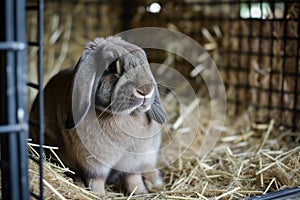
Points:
(115, 76)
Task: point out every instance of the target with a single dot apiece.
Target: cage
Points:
(254, 44)
(14, 126)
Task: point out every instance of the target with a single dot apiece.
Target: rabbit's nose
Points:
(144, 91)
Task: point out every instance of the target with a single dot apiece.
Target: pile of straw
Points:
(249, 159)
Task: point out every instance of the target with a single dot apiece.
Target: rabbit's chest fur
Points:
(121, 142)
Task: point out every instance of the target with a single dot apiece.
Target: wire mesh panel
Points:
(255, 44)
(263, 57)
(14, 112)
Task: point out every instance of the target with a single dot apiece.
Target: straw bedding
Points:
(249, 158)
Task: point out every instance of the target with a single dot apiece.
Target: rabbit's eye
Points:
(115, 67)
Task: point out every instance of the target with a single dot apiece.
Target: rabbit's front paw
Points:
(134, 182)
(97, 185)
(153, 180)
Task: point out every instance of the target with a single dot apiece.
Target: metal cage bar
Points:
(41, 93)
(39, 9)
(13, 101)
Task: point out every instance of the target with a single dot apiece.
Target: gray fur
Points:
(125, 120)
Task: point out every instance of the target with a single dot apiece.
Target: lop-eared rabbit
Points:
(105, 116)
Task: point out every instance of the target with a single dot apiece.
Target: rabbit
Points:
(105, 117)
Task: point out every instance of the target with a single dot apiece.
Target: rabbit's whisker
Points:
(103, 110)
(112, 112)
(169, 87)
(168, 133)
(164, 93)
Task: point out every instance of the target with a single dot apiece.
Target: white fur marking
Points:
(150, 94)
(118, 67)
(91, 87)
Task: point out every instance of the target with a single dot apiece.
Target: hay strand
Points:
(266, 136)
(59, 195)
(131, 194)
(228, 193)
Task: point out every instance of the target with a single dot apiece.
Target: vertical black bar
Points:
(22, 111)
(5, 179)
(249, 57)
(228, 53)
(98, 15)
(285, 15)
(87, 9)
(297, 77)
(239, 88)
(272, 6)
(259, 105)
(127, 14)
(11, 101)
(41, 93)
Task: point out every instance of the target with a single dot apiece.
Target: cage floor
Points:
(249, 159)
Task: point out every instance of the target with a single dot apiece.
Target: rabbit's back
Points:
(56, 101)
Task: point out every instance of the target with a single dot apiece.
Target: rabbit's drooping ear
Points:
(156, 112)
(83, 83)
